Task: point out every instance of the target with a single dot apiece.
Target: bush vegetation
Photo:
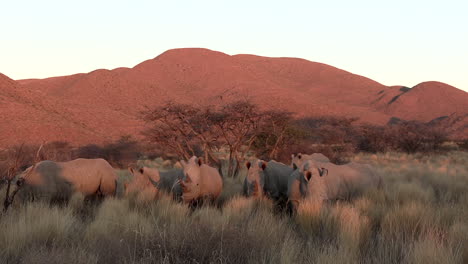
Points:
(240, 127)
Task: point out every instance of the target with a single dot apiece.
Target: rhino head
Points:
(254, 181)
(191, 183)
(297, 160)
(310, 173)
(310, 169)
(144, 183)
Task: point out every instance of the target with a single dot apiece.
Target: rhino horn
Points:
(155, 183)
(254, 187)
(188, 179)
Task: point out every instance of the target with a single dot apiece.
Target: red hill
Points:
(103, 105)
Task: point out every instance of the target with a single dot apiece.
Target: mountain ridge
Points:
(104, 104)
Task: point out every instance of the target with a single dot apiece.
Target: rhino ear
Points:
(262, 165)
(200, 161)
(323, 172)
(248, 164)
(130, 169)
(308, 175)
(142, 170)
(182, 184)
(294, 166)
(299, 156)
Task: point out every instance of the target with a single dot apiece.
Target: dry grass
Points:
(419, 216)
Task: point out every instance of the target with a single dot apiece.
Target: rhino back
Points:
(87, 175)
(318, 157)
(342, 177)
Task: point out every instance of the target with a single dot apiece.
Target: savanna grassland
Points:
(420, 215)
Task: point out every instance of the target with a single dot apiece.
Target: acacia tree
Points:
(233, 127)
(277, 131)
(182, 129)
(237, 125)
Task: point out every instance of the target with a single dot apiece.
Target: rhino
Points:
(268, 179)
(144, 183)
(200, 182)
(254, 182)
(306, 183)
(299, 159)
(148, 182)
(328, 181)
(58, 180)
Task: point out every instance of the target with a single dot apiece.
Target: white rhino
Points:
(200, 182)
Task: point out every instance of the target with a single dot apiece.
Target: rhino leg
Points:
(280, 203)
(291, 207)
(60, 201)
(95, 198)
(195, 203)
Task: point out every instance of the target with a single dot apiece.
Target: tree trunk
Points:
(6, 202)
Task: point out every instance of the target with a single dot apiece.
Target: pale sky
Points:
(393, 42)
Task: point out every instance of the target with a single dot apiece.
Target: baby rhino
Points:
(200, 182)
(58, 180)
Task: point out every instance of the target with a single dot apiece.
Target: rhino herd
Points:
(308, 177)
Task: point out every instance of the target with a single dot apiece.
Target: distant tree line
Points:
(225, 135)
(241, 127)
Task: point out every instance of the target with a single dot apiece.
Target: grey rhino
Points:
(268, 179)
(147, 182)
